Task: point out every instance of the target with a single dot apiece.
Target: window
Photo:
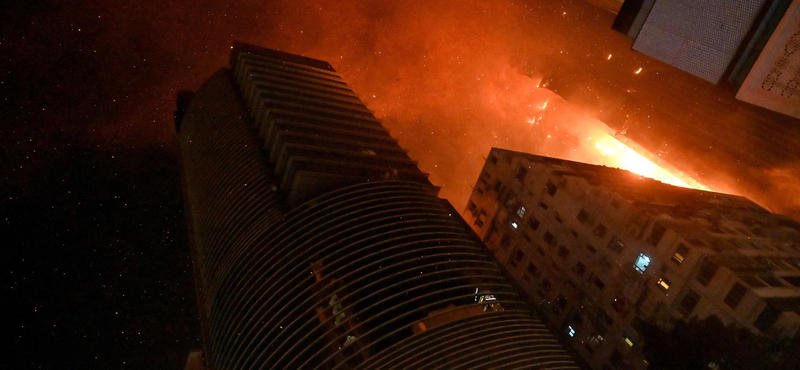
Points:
(579, 269)
(591, 248)
(514, 224)
(771, 281)
(600, 284)
(532, 270)
(641, 263)
(493, 159)
(472, 207)
(521, 173)
(618, 304)
(498, 186)
(600, 231)
(558, 218)
(543, 205)
(533, 223)
(656, 234)
(563, 252)
(689, 302)
(616, 245)
(706, 273)
(767, 318)
(629, 342)
(680, 254)
(663, 283)
(527, 237)
(570, 331)
(505, 242)
(551, 188)
(735, 295)
(583, 216)
(574, 233)
(521, 211)
(550, 239)
(793, 280)
(616, 358)
(753, 281)
(516, 258)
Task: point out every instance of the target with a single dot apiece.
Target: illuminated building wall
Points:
(599, 247)
(318, 244)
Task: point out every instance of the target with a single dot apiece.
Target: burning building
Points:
(601, 249)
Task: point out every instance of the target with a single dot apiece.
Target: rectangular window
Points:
(472, 207)
(505, 242)
(532, 269)
(579, 269)
(706, 273)
(498, 186)
(563, 252)
(543, 205)
(591, 248)
(600, 231)
(656, 234)
(551, 188)
(735, 295)
(616, 245)
(641, 263)
(533, 223)
(618, 304)
(521, 211)
(514, 224)
(527, 237)
(680, 254)
(550, 239)
(493, 159)
(689, 302)
(767, 318)
(558, 218)
(583, 216)
(516, 258)
(793, 280)
(521, 173)
(600, 284)
(664, 284)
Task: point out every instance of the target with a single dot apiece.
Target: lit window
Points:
(663, 283)
(570, 331)
(680, 254)
(521, 212)
(514, 224)
(629, 341)
(641, 263)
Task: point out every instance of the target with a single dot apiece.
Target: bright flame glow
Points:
(617, 154)
(638, 71)
(609, 57)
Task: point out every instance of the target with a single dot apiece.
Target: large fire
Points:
(617, 154)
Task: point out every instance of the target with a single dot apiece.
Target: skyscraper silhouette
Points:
(317, 243)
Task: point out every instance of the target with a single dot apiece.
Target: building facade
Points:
(317, 243)
(600, 249)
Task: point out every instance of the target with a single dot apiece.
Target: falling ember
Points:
(638, 71)
(609, 57)
(544, 106)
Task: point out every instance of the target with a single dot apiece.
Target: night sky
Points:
(95, 256)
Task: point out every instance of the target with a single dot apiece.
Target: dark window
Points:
(603, 318)
(680, 254)
(793, 280)
(583, 216)
(618, 304)
(558, 218)
(498, 186)
(600, 284)
(600, 231)
(521, 173)
(579, 269)
(561, 301)
(706, 273)
(505, 242)
(527, 237)
(546, 286)
(551, 188)
(493, 159)
(533, 223)
(735, 295)
(563, 252)
(591, 248)
(753, 281)
(472, 207)
(616, 358)
(550, 239)
(771, 281)
(574, 233)
(616, 245)
(543, 205)
(656, 234)
(689, 302)
(516, 257)
(532, 269)
(767, 318)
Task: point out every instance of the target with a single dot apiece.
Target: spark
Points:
(638, 71)
(609, 57)
(544, 106)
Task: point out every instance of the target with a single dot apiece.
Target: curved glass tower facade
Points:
(318, 243)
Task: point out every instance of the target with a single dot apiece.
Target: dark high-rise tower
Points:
(318, 244)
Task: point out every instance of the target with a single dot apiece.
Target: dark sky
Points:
(95, 260)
